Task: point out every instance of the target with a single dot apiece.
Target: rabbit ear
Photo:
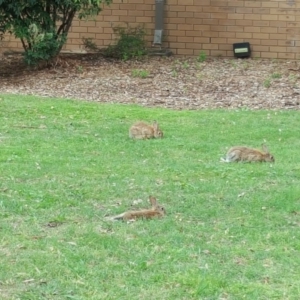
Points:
(265, 148)
(155, 125)
(153, 201)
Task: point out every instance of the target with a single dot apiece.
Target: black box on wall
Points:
(241, 50)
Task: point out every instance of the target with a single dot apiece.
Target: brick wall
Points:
(271, 26)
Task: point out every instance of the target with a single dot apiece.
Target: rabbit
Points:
(142, 130)
(155, 211)
(242, 153)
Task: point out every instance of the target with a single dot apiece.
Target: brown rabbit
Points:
(242, 153)
(155, 211)
(142, 130)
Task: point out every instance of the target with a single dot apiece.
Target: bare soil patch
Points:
(177, 83)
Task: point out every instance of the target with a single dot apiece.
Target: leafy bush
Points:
(43, 26)
(130, 43)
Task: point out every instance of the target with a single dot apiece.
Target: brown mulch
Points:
(177, 83)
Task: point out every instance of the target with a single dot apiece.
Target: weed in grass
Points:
(174, 73)
(79, 69)
(233, 63)
(199, 76)
(202, 57)
(140, 73)
(276, 76)
(294, 80)
(267, 83)
(185, 65)
(231, 230)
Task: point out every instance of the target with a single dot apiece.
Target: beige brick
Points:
(192, 33)
(196, 8)
(260, 36)
(119, 12)
(210, 34)
(255, 54)
(269, 42)
(227, 9)
(193, 21)
(244, 10)
(202, 27)
(136, 13)
(269, 4)
(86, 23)
(286, 18)
(171, 26)
(218, 40)
(176, 20)
(186, 14)
(269, 17)
(261, 23)
(186, 39)
(172, 38)
(235, 29)
(268, 30)
(252, 29)
(189, 2)
(171, 14)
(252, 3)
(235, 3)
(210, 46)
(229, 53)
(203, 2)
(210, 21)
(252, 17)
(287, 4)
(269, 55)
(219, 3)
(177, 33)
(236, 16)
(293, 24)
(226, 34)
(287, 55)
(243, 35)
(201, 15)
(279, 49)
(185, 26)
(217, 28)
(262, 48)
(128, 19)
(277, 36)
(104, 36)
(218, 53)
(218, 15)
(170, 2)
(192, 45)
(226, 47)
(178, 45)
(185, 51)
(79, 29)
(245, 22)
(224, 22)
(281, 24)
(73, 35)
(178, 8)
(202, 40)
(149, 13)
(261, 11)
(111, 18)
(210, 9)
(233, 40)
(143, 20)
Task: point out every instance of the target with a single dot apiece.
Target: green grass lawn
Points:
(231, 230)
